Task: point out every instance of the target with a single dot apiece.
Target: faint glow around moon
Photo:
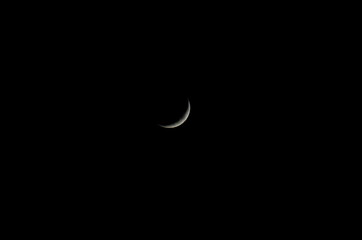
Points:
(181, 120)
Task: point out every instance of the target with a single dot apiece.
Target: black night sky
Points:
(104, 89)
(96, 92)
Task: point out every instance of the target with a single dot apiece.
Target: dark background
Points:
(91, 88)
(84, 89)
(102, 82)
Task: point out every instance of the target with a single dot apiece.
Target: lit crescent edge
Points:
(182, 119)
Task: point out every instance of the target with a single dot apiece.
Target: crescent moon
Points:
(181, 120)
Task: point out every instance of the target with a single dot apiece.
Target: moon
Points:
(181, 120)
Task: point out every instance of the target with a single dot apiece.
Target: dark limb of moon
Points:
(181, 120)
